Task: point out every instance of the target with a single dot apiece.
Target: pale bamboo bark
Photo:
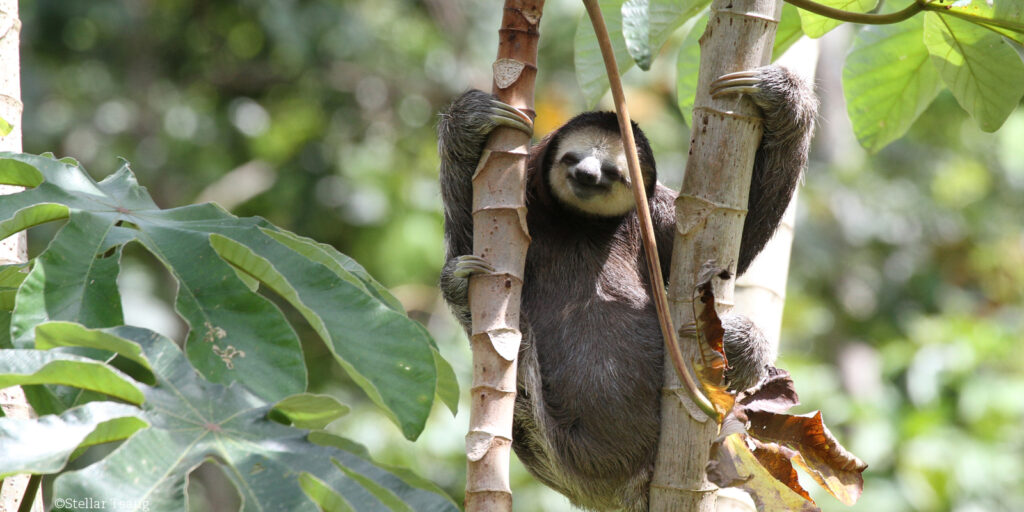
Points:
(12, 249)
(500, 236)
(709, 219)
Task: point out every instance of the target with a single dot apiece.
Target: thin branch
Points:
(860, 17)
(644, 213)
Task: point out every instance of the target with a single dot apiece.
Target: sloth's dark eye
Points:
(570, 159)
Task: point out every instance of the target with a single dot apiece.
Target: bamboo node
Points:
(679, 488)
(730, 114)
(746, 14)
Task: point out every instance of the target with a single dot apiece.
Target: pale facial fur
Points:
(605, 148)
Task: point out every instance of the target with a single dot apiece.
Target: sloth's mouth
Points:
(588, 190)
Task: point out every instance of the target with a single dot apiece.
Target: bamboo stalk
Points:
(710, 211)
(501, 237)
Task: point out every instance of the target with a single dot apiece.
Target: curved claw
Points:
(740, 82)
(470, 264)
(506, 115)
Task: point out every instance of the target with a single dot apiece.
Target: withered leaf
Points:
(734, 464)
(831, 465)
(776, 393)
(776, 460)
(713, 364)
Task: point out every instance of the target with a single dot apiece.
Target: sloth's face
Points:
(589, 173)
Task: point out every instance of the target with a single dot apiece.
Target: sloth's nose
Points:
(588, 171)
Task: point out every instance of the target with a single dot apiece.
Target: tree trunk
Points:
(709, 217)
(13, 249)
(500, 236)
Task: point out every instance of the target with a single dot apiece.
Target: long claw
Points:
(740, 82)
(507, 115)
(469, 265)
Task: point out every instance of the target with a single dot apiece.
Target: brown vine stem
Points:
(859, 17)
(500, 236)
(644, 212)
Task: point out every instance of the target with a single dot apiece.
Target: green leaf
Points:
(13, 172)
(272, 465)
(788, 31)
(647, 24)
(20, 367)
(984, 73)
(73, 280)
(5, 329)
(386, 354)
(404, 474)
(311, 411)
(888, 82)
(815, 25)
(235, 334)
(1004, 17)
(104, 215)
(590, 70)
(343, 266)
(44, 445)
(447, 388)
(5, 127)
(668, 15)
(688, 70)
(11, 277)
(67, 334)
(1017, 47)
(636, 25)
(348, 269)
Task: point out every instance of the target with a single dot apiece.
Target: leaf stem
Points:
(644, 213)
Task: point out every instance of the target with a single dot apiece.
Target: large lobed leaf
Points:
(235, 333)
(191, 420)
(979, 66)
(888, 81)
(1005, 17)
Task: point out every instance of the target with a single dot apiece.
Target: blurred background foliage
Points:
(905, 307)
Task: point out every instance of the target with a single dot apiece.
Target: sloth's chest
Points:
(580, 283)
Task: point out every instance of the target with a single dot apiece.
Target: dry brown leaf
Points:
(776, 460)
(776, 393)
(831, 465)
(735, 465)
(713, 364)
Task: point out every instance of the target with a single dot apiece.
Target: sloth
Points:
(587, 411)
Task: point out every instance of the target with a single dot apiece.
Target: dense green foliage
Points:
(183, 420)
(242, 354)
(906, 298)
